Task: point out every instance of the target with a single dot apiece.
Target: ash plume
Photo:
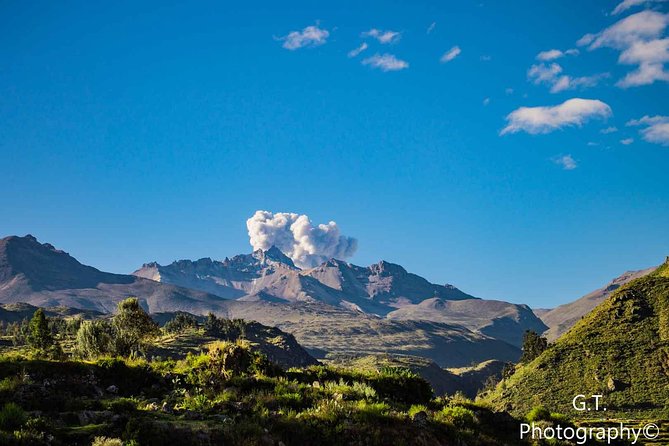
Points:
(305, 243)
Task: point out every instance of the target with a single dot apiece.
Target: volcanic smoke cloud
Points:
(307, 245)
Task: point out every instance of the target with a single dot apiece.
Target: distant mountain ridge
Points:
(559, 320)
(270, 274)
(334, 307)
(41, 275)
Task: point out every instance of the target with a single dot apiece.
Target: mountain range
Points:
(333, 308)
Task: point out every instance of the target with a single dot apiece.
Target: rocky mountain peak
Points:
(385, 268)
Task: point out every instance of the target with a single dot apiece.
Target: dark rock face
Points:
(46, 268)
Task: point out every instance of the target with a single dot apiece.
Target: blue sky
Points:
(131, 133)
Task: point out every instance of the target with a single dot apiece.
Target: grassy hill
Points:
(619, 350)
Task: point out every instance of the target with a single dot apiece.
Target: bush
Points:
(538, 413)
(12, 417)
(228, 329)
(94, 338)
(416, 408)
(458, 416)
(180, 323)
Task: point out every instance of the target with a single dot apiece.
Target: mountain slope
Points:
(272, 276)
(41, 275)
(497, 319)
(323, 329)
(562, 318)
(620, 350)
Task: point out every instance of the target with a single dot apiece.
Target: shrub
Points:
(401, 385)
(367, 411)
(94, 338)
(105, 441)
(228, 329)
(538, 413)
(561, 419)
(12, 417)
(180, 323)
(122, 405)
(458, 416)
(416, 408)
(364, 391)
(533, 346)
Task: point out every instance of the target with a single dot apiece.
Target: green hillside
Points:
(619, 350)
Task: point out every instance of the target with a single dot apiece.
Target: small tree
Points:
(94, 338)
(39, 333)
(132, 327)
(533, 345)
(180, 323)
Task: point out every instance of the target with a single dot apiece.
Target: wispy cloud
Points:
(567, 162)
(656, 129)
(486, 101)
(485, 58)
(638, 38)
(384, 37)
(308, 37)
(354, 52)
(626, 141)
(546, 56)
(386, 62)
(450, 54)
(573, 112)
(608, 130)
(552, 75)
(431, 27)
(627, 4)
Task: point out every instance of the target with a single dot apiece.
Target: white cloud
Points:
(646, 74)
(627, 4)
(485, 58)
(354, 52)
(431, 27)
(383, 36)
(592, 144)
(307, 245)
(486, 101)
(566, 161)
(450, 54)
(626, 141)
(573, 112)
(553, 54)
(386, 62)
(308, 37)
(638, 38)
(645, 25)
(656, 129)
(608, 130)
(508, 90)
(551, 75)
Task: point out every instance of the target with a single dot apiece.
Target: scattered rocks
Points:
(420, 418)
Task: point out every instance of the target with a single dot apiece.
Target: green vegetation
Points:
(124, 381)
(620, 350)
(533, 346)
